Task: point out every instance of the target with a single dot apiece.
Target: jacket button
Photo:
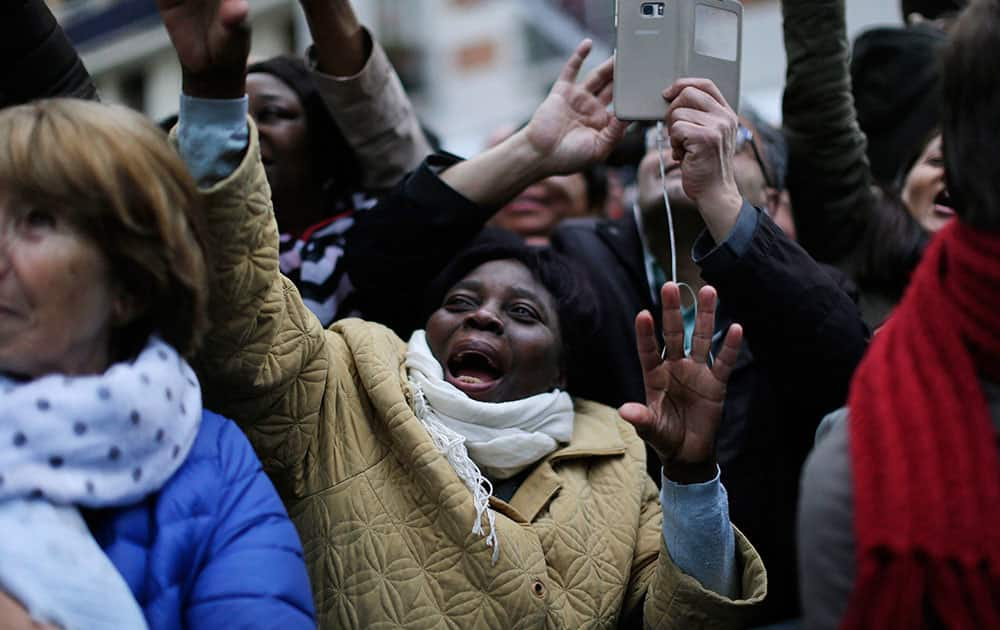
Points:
(538, 588)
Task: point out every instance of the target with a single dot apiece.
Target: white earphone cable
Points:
(673, 239)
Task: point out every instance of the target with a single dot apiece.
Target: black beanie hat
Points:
(331, 156)
(897, 93)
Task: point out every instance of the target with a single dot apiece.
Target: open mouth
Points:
(473, 371)
(942, 205)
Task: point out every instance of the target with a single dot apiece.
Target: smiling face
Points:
(924, 191)
(536, 212)
(57, 299)
(497, 334)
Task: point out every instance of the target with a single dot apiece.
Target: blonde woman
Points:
(123, 502)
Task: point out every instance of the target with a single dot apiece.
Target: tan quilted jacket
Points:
(385, 522)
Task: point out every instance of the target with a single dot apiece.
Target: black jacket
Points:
(38, 59)
(804, 337)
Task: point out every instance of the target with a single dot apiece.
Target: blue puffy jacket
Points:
(214, 548)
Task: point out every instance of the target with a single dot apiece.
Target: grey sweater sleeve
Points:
(826, 526)
(376, 116)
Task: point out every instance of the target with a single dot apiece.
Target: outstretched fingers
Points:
(600, 78)
(638, 415)
(232, 13)
(572, 68)
(646, 344)
(673, 321)
(614, 132)
(704, 325)
(722, 369)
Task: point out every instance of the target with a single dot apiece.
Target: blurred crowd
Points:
(280, 361)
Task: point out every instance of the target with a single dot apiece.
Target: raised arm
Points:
(829, 177)
(794, 312)
(702, 564)
(436, 210)
(39, 60)
(264, 340)
(363, 94)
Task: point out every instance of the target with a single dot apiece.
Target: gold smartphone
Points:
(661, 41)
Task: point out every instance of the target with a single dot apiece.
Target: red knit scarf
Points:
(923, 448)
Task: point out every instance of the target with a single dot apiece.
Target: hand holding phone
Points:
(660, 41)
(702, 130)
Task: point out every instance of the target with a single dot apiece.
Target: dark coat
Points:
(840, 216)
(38, 59)
(805, 337)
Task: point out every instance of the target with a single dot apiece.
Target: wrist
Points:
(342, 45)
(215, 85)
(720, 210)
(541, 162)
(523, 156)
(338, 14)
(691, 473)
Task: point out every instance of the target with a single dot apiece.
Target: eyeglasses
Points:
(744, 138)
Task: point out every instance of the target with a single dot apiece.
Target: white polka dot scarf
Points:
(95, 441)
(99, 441)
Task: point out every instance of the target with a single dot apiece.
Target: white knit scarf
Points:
(502, 439)
(99, 441)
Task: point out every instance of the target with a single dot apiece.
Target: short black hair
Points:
(571, 291)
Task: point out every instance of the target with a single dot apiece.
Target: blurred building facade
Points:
(470, 65)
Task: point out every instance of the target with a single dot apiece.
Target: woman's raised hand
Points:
(573, 128)
(684, 396)
(212, 41)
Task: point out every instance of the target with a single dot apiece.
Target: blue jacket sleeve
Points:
(255, 576)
